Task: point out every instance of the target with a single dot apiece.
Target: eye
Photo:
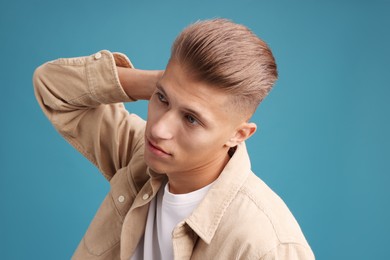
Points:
(161, 97)
(191, 120)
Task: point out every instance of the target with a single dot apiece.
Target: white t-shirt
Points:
(166, 210)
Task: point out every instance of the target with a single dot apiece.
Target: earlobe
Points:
(242, 133)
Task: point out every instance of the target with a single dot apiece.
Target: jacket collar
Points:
(206, 218)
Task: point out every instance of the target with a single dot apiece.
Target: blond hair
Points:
(228, 56)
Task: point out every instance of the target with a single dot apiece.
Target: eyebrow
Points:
(189, 110)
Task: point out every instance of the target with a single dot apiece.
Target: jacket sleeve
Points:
(82, 97)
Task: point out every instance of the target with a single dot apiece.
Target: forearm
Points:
(138, 84)
(71, 84)
(83, 98)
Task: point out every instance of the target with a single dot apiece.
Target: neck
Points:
(197, 178)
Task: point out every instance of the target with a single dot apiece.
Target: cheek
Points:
(199, 143)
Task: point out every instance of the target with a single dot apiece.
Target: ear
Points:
(243, 132)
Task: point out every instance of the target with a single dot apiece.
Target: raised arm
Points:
(82, 97)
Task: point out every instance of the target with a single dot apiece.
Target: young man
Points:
(181, 183)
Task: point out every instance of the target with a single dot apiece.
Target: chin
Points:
(155, 166)
(160, 171)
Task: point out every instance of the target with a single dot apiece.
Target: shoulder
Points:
(261, 220)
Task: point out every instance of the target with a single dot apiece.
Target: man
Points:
(181, 183)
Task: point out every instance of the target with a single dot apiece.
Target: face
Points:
(190, 125)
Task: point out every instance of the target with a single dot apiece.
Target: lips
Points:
(153, 147)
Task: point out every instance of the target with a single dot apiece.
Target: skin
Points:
(187, 137)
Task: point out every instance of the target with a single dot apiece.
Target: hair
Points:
(230, 57)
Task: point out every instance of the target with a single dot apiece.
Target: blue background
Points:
(323, 143)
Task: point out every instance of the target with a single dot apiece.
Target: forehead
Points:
(185, 92)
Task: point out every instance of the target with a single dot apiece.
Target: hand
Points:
(139, 84)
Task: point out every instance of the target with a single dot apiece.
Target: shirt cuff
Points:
(102, 76)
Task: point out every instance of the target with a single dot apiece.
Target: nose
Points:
(163, 128)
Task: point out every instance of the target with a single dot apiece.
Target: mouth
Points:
(155, 149)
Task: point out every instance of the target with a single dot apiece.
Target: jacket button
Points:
(145, 197)
(98, 56)
(121, 199)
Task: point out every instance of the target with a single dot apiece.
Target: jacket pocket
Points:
(105, 229)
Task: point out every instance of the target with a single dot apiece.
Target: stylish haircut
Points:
(230, 57)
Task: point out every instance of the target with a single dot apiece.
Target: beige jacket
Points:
(240, 217)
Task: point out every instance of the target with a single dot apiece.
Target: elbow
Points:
(41, 84)
(38, 82)
(38, 77)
